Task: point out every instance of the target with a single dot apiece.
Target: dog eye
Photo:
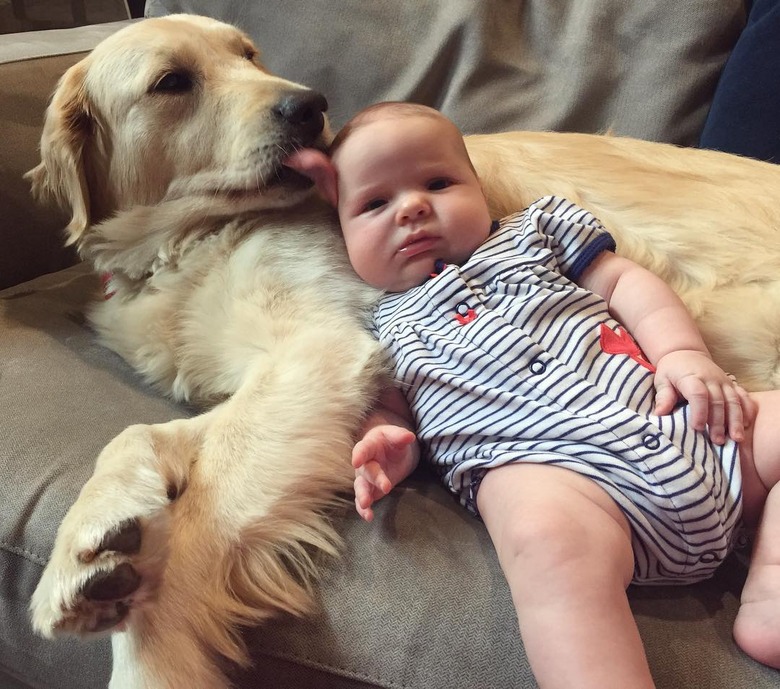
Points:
(173, 82)
(250, 54)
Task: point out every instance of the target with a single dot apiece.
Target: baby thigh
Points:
(759, 455)
(565, 549)
(757, 626)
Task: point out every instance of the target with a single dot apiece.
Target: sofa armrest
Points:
(31, 237)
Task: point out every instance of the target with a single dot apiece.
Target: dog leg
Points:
(242, 538)
(190, 529)
(148, 657)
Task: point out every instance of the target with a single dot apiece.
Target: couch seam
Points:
(318, 665)
(30, 58)
(14, 675)
(32, 557)
(37, 50)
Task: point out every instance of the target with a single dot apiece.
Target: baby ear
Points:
(60, 174)
(317, 166)
(328, 185)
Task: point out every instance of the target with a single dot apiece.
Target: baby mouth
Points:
(417, 245)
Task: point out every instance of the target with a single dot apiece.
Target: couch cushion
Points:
(417, 601)
(643, 69)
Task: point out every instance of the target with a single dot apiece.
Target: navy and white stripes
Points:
(525, 379)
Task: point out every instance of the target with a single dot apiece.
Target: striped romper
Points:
(506, 359)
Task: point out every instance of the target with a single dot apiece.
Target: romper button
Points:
(464, 314)
(708, 557)
(537, 367)
(651, 442)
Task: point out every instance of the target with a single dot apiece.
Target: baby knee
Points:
(545, 535)
(552, 546)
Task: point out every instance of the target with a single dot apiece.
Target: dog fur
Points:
(232, 291)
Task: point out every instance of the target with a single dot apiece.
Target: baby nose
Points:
(414, 207)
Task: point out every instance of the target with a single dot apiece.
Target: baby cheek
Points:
(365, 260)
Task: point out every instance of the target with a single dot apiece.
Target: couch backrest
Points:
(643, 68)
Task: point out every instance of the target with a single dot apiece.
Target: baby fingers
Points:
(736, 404)
(721, 408)
(374, 475)
(716, 417)
(366, 494)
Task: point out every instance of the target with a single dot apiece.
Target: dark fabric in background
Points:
(745, 113)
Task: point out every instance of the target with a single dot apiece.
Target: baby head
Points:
(406, 192)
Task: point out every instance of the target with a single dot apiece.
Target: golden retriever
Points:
(231, 290)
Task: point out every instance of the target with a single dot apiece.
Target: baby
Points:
(543, 377)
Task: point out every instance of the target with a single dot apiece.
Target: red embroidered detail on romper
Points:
(471, 315)
(620, 342)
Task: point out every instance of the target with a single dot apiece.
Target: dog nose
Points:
(303, 111)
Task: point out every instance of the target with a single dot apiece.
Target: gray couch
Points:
(418, 600)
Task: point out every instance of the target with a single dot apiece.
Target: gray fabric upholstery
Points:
(643, 68)
(418, 600)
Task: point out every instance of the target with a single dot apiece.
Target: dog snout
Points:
(302, 112)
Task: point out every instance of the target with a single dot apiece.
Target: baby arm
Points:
(386, 454)
(667, 334)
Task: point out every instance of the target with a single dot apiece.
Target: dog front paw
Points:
(113, 544)
(94, 590)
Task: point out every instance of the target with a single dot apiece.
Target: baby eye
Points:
(373, 205)
(439, 184)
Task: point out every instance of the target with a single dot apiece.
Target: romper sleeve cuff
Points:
(603, 242)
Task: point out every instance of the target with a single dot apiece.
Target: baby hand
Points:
(382, 459)
(716, 402)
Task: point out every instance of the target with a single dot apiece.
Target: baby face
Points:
(408, 196)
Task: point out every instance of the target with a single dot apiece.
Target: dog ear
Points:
(61, 174)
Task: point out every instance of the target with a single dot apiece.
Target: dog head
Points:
(173, 107)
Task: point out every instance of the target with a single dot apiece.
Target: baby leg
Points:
(757, 627)
(565, 548)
